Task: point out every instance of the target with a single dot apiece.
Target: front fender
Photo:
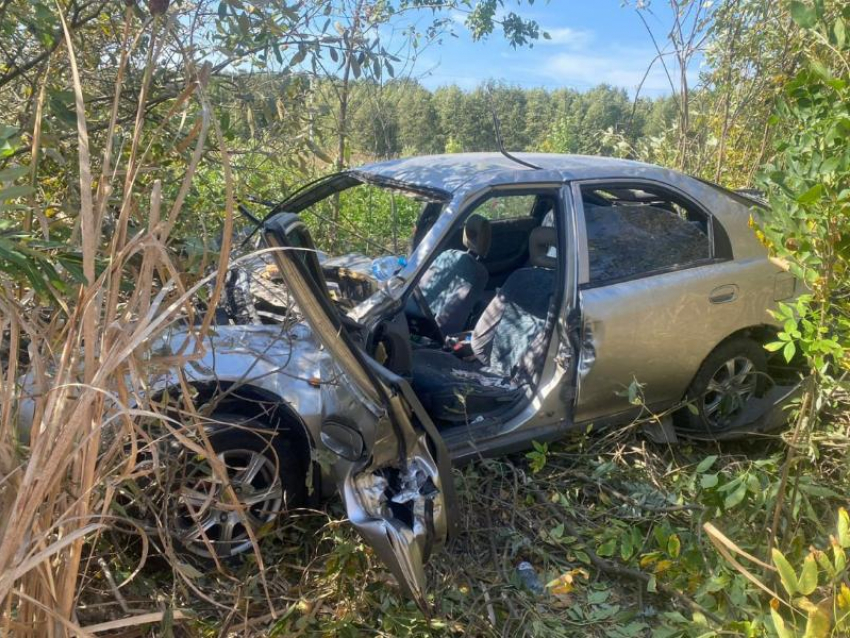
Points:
(286, 363)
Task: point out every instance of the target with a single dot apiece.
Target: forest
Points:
(139, 143)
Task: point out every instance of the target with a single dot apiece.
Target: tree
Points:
(419, 127)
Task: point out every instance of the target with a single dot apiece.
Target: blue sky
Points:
(592, 42)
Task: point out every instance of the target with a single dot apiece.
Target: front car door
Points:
(390, 464)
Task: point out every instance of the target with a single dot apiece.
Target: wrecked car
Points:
(537, 292)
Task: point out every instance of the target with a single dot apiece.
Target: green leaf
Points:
(818, 621)
(706, 463)
(13, 192)
(652, 585)
(607, 548)
(812, 195)
(824, 563)
(318, 152)
(789, 351)
(735, 497)
(190, 571)
(819, 491)
(840, 32)
(779, 625)
(843, 528)
(803, 15)
(674, 546)
(708, 481)
(786, 572)
(809, 576)
(13, 172)
(626, 548)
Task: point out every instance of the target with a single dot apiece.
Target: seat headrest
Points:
(541, 243)
(477, 234)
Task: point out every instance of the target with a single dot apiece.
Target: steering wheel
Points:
(425, 313)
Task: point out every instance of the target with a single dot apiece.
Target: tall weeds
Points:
(84, 379)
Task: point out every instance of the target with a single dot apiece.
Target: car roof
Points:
(451, 171)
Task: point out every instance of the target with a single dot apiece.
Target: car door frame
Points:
(374, 425)
(714, 226)
(549, 415)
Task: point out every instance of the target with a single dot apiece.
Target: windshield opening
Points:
(372, 220)
(364, 232)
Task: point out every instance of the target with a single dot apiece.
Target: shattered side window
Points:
(633, 232)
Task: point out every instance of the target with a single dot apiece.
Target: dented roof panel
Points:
(450, 172)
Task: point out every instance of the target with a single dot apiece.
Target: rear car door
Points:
(659, 290)
(390, 464)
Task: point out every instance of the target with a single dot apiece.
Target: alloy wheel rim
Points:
(730, 387)
(208, 522)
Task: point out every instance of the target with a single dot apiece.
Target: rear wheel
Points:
(729, 378)
(266, 475)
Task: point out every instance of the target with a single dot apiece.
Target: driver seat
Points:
(509, 342)
(456, 279)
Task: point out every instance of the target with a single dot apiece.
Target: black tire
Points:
(238, 446)
(711, 411)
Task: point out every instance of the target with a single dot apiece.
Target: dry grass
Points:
(85, 376)
(322, 580)
(72, 562)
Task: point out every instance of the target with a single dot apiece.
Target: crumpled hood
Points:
(242, 351)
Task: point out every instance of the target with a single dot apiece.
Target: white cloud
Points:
(566, 37)
(616, 65)
(458, 18)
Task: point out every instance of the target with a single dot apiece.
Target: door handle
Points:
(724, 294)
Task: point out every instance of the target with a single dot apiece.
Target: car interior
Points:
(473, 335)
(633, 231)
(482, 316)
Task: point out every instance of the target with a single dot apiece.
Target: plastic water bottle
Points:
(528, 577)
(385, 267)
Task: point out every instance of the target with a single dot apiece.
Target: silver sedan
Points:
(541, 293)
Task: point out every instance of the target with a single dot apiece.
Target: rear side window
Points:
(634, 231)
(507, 207)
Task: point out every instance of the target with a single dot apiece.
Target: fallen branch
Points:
(133, 621)
(615, 569)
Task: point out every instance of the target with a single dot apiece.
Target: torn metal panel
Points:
(395, 496)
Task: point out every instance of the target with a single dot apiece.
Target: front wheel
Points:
(267, 478)
(730, 377)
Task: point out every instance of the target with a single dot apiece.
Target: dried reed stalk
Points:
(84, 372)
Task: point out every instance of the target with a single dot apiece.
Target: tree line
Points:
(402, 117)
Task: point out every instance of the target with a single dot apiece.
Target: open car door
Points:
(391, 466)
